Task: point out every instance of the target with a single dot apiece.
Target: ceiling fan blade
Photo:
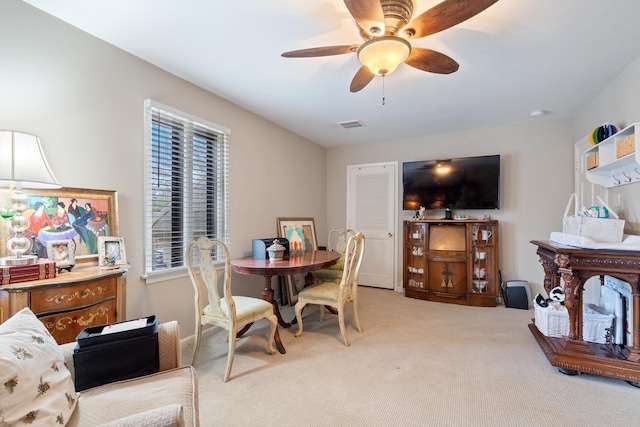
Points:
(321, 51)
(431, 61)
(445, 15)
(368, 14)
(361, 79)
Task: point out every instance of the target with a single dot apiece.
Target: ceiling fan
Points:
(386, 26)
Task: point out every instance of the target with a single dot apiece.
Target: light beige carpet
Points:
(416, 363)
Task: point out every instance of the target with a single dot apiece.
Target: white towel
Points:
(630, 242)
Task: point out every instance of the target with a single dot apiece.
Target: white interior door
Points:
(372, 210)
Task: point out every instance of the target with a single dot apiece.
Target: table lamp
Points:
(22, 164)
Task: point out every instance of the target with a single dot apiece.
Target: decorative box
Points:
(592, 160)
(626, 145)
(101, 358)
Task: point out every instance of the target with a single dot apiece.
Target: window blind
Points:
(186, 185)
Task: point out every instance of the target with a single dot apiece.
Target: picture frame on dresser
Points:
(112, 252)
(62, 252)
(68, 213)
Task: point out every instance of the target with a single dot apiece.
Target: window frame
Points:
(187, 134)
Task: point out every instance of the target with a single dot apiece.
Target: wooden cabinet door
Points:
(448, 277)
(485, 280)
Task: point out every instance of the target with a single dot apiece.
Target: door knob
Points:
(389, 235)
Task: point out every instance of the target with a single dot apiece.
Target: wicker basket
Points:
(554, 322)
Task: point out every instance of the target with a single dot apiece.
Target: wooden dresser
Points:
(70, 302)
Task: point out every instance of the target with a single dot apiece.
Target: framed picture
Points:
(62, 252)
(111, 251)
(66, 213)
(301, 233)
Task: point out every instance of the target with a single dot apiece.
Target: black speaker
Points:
(448, 214)
(517, 297)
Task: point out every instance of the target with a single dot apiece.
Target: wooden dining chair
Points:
(230, 312)
(336, 295)
(336, 242)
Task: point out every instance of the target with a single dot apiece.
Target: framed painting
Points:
(111, 252)
(301, 233)
(66, 213)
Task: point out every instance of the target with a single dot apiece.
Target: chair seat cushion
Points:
(325, 291)
(247, 307)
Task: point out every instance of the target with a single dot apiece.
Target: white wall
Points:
(618, 104)
(536, 181)
(84, 98)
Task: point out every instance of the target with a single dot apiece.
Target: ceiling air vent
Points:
(351, 124)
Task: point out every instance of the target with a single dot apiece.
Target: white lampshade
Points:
(22, 162)
(382, 55)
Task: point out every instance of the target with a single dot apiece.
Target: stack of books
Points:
(43, 269)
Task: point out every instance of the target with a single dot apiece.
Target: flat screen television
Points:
(460, 183)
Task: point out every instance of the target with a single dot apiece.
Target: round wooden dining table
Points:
(297, 262)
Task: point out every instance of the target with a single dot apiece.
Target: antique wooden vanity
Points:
(575, 266)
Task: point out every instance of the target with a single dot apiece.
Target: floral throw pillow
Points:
(338, 265)
(36, 388)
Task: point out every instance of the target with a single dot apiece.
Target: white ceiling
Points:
(515, 57)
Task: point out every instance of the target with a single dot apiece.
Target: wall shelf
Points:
(614, 171)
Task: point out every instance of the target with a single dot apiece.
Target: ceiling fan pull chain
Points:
(382, 90)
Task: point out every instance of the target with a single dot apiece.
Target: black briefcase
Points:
(104, 358)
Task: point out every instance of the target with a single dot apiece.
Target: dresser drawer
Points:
(64, 298)
(66, 326)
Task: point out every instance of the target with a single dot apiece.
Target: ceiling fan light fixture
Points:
(382, 55)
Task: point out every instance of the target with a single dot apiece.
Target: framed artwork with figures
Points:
(77, 214)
